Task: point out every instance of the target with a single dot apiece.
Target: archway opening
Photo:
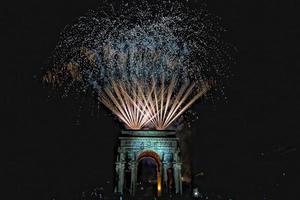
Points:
(147, 177)
(148, 174)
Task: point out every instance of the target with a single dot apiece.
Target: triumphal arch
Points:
(160, 148)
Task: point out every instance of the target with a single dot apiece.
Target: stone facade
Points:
(162, 146)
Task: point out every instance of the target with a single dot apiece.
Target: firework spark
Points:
(155, 106)
(146, 62)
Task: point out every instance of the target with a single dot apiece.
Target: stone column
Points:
(165, 176)
(120, 166)
(120, 171)
(175, 171)
(177, 177)
(133, 169)
(116, 189)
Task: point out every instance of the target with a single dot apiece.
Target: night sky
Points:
(247, 148)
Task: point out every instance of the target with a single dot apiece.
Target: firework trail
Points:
(148, 63)
(154, 106)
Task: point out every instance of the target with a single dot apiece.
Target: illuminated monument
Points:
(162, 147)
(148, 63)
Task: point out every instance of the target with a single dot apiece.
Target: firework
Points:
(148, 63)
(154, 106)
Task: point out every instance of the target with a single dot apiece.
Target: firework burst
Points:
(155, 106)
(148, 63)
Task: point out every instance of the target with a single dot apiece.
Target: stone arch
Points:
(155, 156)
(152, 154)
(160, 146)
